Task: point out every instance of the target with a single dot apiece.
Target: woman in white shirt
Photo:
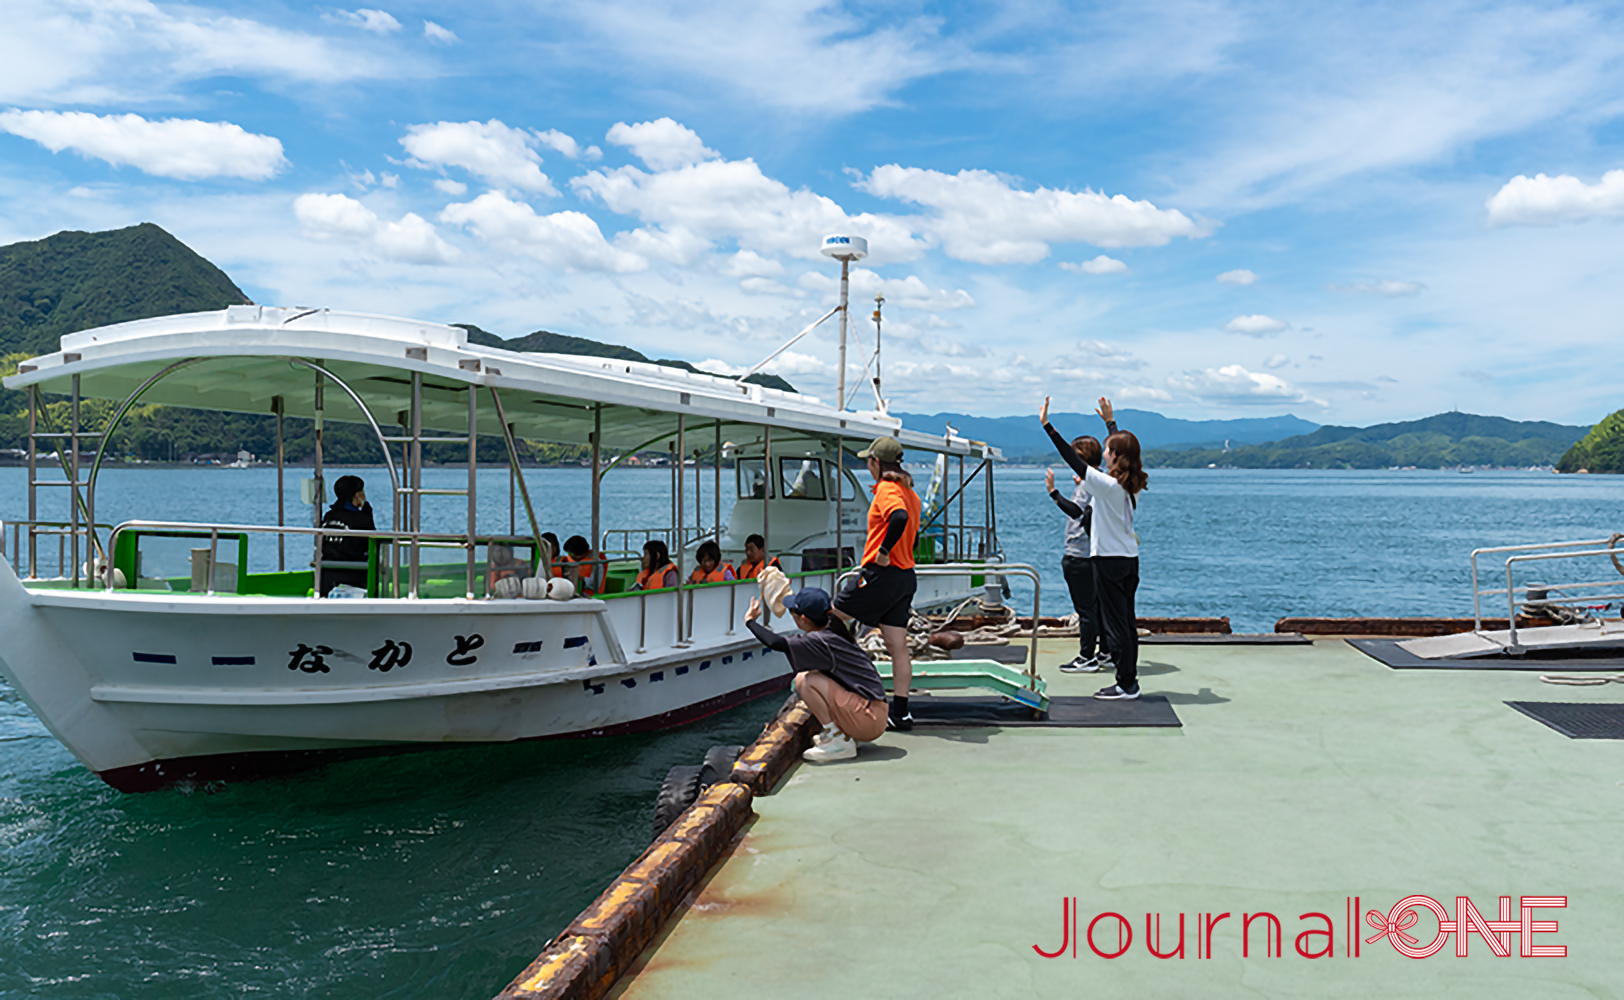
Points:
(1114, 545)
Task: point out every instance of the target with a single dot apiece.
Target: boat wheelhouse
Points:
(233, 671)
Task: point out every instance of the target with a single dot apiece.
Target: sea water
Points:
(444, 873)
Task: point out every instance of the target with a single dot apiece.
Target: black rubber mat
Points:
(1577, 660)
(1015, 652)
(963, 712)
(1577, 720)
(1226, 639)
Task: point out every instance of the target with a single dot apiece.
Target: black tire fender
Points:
(718, 765)
(677, 792)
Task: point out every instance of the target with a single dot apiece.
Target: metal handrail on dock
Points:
(1545, 552)
(989, 570)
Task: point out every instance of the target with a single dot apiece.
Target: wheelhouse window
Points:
(752, 473)
(801, 478)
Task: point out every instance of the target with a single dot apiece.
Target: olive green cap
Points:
(886, 449)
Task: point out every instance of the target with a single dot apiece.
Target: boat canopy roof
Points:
(243, 358)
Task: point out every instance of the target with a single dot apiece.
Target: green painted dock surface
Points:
(932, 864)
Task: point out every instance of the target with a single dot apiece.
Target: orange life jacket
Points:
(647, 577)
(586, 585)
(720, 574)
(751, 570)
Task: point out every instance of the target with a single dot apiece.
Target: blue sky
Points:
(1354, 213)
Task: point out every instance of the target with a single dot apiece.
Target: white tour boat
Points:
(233, 672)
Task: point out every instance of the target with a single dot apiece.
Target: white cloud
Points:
(129, 52)
(376, 21)
(561, 143)
(568, 241)
(1386, 289)
(1098, 352)
(342, 219)
(1099, 265)
(749, 264)
(435, 33)
(1241, 276)
(182, 148)
(491, 150)
(662, 144)
(1546, 201)
(454, 188)
(786, 364)
(768, 286)
(1257, 326)
(815, 56)
(1277, 361)
(909, 292)
(1233, 385)
(977, 216)
(718, 200)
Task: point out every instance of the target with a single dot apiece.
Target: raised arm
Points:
(1106, 414)
(1066, 506)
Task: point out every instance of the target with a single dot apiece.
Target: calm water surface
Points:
(444, 873)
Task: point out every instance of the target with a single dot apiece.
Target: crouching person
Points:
(833, 676)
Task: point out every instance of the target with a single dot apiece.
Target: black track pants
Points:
(1116, 578)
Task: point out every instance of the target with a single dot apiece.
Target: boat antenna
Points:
(879, 400)
(844, 249)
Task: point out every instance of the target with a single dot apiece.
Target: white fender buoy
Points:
(507, 588)
(535, 588)
(560, 589)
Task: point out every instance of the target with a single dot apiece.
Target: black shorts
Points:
(880, 595)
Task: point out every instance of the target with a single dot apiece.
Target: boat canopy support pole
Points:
(716, 482)
(839, 481)
(320, 488)
(766, 491)
(415, 497)
(676, 504)
(524, 490)
(277, 407)
(597, 481)
(33, 474)
(73, 483)
(473, 475)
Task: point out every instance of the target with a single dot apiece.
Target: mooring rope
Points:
(1582, 680)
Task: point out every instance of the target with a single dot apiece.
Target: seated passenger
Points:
(580, 568)
(657, 571)
(502, 564)
(755, 558)
(711, 568)
(350, 511)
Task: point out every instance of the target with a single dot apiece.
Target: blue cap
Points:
(811, 602)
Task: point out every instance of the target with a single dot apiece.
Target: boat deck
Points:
(1303, 776)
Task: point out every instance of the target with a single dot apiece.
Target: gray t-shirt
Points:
(824, 651)
(1077, 543)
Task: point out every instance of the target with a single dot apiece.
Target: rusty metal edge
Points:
(601, 944)
(1395, 626)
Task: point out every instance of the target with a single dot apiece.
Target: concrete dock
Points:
(1307, 782)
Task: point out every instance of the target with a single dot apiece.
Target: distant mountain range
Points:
(1023, 437)
(1446, 440)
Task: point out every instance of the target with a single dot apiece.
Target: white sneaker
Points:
(841, 747)
(828, 733)
(1081, 665)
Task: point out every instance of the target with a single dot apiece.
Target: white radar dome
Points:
(852, 247)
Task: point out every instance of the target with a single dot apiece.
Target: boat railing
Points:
(61, 529)
(678, 612)
(690, 534)
(416, 539)
(994, 572)
(1580, 593)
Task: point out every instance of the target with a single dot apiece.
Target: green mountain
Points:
(1437, 442)
(74, 281)
(1602, 450)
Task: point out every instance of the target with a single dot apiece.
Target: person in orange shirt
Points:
(711, 568)
(578, 566)
(882, 594)
(657, 569)
(755, 558)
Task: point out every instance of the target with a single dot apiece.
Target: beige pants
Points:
(858, 717)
